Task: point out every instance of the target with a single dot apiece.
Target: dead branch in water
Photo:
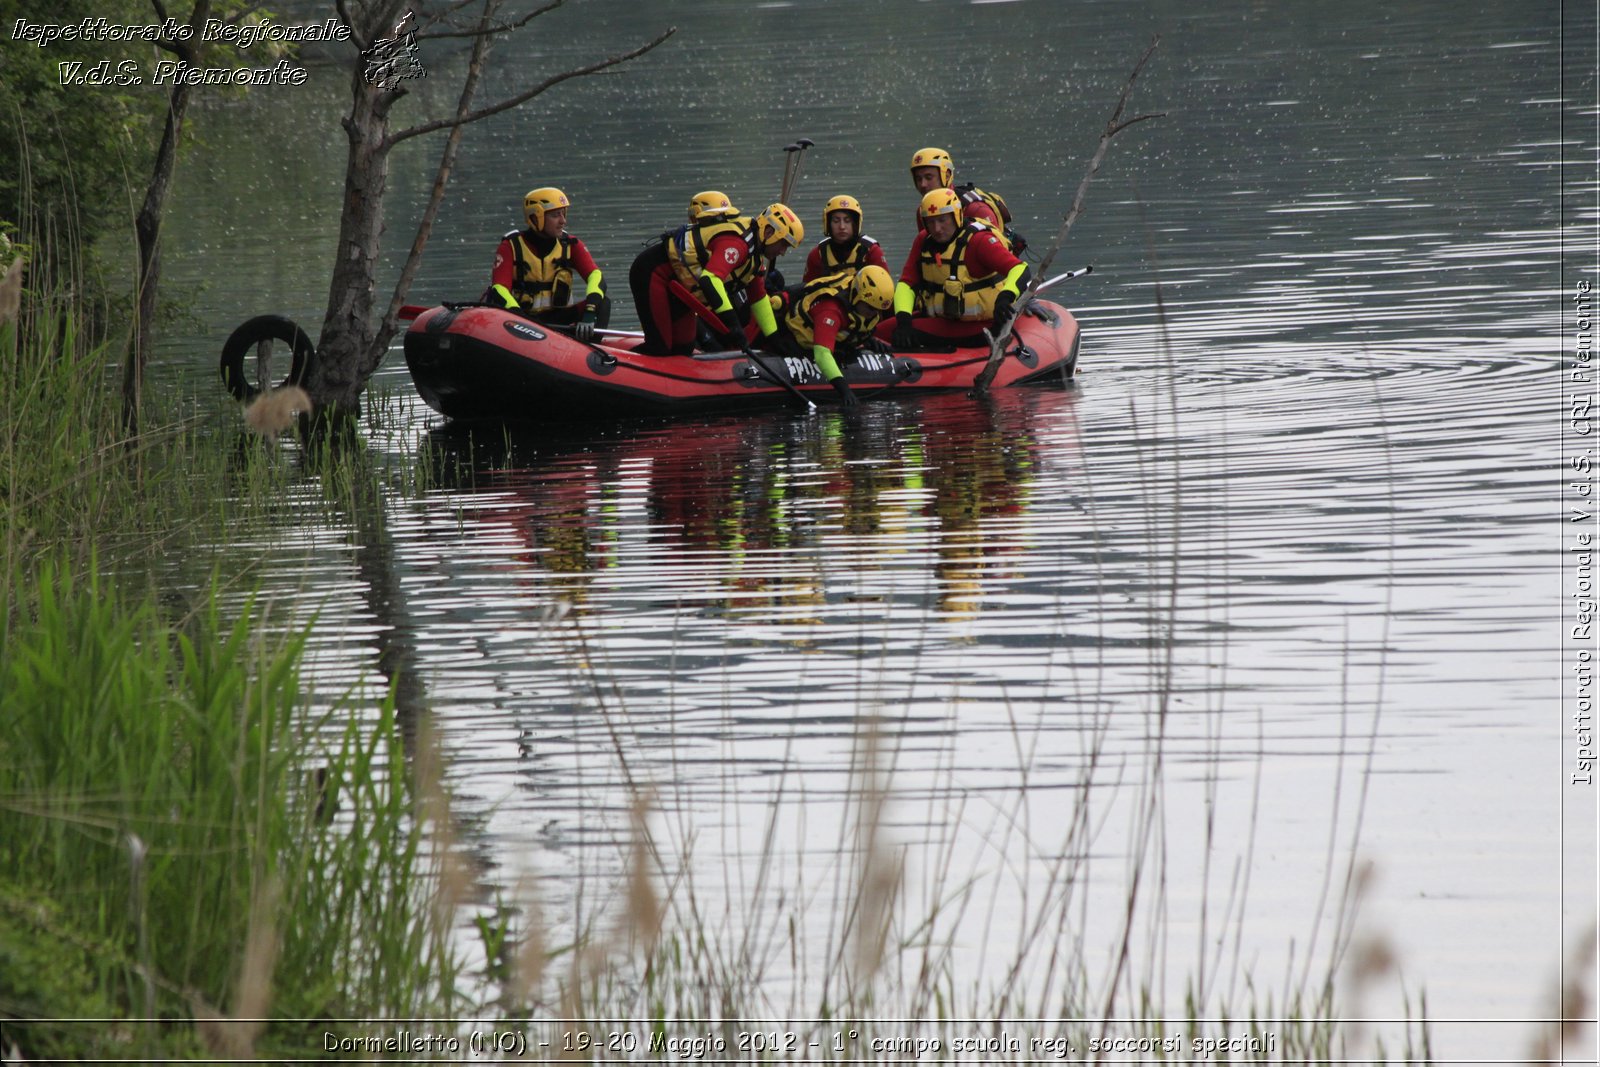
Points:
(1115, 125)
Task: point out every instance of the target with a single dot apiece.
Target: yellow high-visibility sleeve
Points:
(713, 287)
(1010, 284)
(826, 363)
(905, 297)
(761, 311)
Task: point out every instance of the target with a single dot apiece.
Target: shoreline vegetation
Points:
(182, 829)
(209, 862)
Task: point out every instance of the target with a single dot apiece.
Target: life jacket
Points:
(853, 259)
(689, 245)
(956, 295)
(971, 194)
(836, 285)
(541, 282)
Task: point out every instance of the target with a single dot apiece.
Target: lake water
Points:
(1283, 573)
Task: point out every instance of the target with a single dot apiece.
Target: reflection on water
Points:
(1284, 551)
(752, 493)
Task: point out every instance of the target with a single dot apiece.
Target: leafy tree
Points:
(66, 152)
(84, 151)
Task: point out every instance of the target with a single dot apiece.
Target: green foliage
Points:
(50, 969)
(154, 788)
(72, 482)
(167, 795)
(79, 150)
(76, 159)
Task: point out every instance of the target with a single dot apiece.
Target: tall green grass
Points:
(196, 850)
(161, 790)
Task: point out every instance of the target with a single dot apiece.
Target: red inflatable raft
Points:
(487, 363)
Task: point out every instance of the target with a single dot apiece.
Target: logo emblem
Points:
(524, 331)
(392, 60)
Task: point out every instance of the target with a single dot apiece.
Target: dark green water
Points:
(1315, 445)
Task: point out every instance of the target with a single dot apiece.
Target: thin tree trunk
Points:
(147, 226)
(338, 376)
(147, 229)
(347, 330)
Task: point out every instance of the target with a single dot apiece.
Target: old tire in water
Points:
(247, 336)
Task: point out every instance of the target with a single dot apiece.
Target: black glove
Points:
(732, 336)
(774, 281)
(874, 343)
(592, 305)
(842, 387)
(904, 335)
(1002, 309)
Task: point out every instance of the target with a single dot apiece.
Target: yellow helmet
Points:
(872, 286)
(842, 203)
(710, 202)
(940, 202)
(778, 223)
(536, 203)
(935, 157)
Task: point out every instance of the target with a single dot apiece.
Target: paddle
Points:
(679, 290)
(1080, 272)
(793, 154)
(811, 409)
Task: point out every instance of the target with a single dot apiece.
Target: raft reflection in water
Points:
(735, 511)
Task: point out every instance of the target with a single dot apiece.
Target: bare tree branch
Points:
(1114, 126)
(408, 272)
(356, 35)
(187, 50)
(439, 16)
(1137, 118)
(521, 98)
(500, 27)
(371, 20)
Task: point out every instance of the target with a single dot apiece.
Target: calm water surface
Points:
(1286, 559)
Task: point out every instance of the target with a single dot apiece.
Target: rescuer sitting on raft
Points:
(843, 246)
(932, 168)
(533, 268)
(957, 272)
(707, 264)
(836, 314)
